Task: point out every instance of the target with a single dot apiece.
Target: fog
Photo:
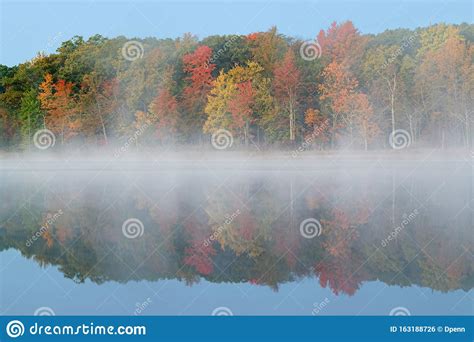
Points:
(167, 159)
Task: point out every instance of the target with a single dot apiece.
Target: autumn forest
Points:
(344, 89)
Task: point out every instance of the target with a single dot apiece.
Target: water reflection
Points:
(399, 226)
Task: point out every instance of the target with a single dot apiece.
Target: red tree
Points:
(164, 108)
(199, 68)
(240, 106)
(286, 83)
(342, 43)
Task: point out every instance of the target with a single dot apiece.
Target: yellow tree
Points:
(244, 84)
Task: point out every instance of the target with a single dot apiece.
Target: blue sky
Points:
(27, 27)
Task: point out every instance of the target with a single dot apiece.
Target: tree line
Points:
(343, 89)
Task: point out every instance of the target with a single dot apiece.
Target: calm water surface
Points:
(340, 238)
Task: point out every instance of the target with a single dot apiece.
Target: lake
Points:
(328, 236)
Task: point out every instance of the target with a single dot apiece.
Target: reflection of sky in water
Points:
(259, 263)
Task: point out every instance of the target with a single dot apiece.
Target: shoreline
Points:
(210, 154)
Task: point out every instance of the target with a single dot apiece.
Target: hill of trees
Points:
(342, 90)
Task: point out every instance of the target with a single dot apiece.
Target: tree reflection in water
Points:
(246, 227)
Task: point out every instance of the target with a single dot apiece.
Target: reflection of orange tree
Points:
(199, 256)
(336, 270)
(286, 240)
(58, 102)
(337, 274)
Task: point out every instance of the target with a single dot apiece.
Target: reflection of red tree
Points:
(340, 233)
(255, 281)
(337, 271)
(338, 276)
(199, 256)
(246, 225)
(199, 76)
(287, 243)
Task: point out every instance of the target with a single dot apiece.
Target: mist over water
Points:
(339, 224)
(221, 158)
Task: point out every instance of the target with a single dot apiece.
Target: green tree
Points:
(31, 117)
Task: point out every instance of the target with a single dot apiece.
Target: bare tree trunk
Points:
(468, 128)
(352, 133)
(392, 101)
(292, 124)
(333, 133)
(102, 122)
(291, 109)
(62, 131)
(103, 129)
(246, 133)
(291, 127)
(411, 129)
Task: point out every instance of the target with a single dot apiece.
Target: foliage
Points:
(363, 88)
